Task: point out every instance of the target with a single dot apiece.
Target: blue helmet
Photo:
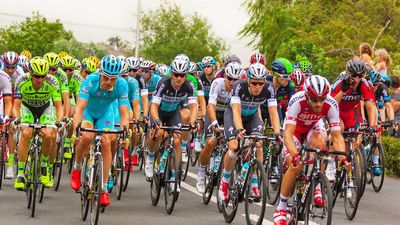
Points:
(374, 76)
(111, 65)
(282, 66)
(208, 60)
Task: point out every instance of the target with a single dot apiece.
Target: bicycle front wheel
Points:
(377, 179)
(119, 177)
(315, 213)
(229, 207)
(171, 182)
(255, 193)
(352, 190)
(97, 177)
(85, 202)
(2, 161)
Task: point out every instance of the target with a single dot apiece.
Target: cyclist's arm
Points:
(192, 100)
(337, 140)
(389, 110)
(237, 117)
(59, 110)
(288, 138)
(136, 109)
(211, 112)
(79, 107)
(273, 113)
(7, 105)
(124, 116)
(145, 103)
(203, 105)
(17, 108)
(67, 105)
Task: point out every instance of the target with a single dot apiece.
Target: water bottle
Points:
(245, 168)
(367, 148)
(163, 160)
(217, 161)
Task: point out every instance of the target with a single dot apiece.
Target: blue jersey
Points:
(152, 84)
(100, 100)
(133, 89)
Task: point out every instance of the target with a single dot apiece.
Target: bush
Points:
(391, 146)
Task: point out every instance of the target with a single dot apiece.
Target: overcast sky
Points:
(97, 20)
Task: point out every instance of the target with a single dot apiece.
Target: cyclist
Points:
(382, 96)
(242, 117)
(220, 96)
(298, 79)
(6, 96)
(94, 108)
(230, 58)
(88, 67)
(35, 94)
(165, 109)
(150, 78)
(306, 67)
(24, 63)
(134, 71)
(161, 69)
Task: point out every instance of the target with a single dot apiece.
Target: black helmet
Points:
(231, 58)
(356, 67)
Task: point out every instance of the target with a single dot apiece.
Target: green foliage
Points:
(166, 32)
(391, 146)
(326, 32)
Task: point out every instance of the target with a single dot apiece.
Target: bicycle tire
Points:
(96, 192)
(185, 172)
(127, 170)
(219, 177)
(255, 168)
(209, 182)
(273, 188)
(72, 160)
(327, 200)
(194, 155)
(119, 178)
(171, 193)
(35, 181)
(2, 154)
(351, 203)
(233, 197)
(364, 169)
(28, 177)
(377, 184)
(84, 191)
(58, 165)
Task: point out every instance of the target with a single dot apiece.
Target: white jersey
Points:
(18, 72)
(219, 96)
(5, 90)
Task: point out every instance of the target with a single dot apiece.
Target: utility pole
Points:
(138, 13)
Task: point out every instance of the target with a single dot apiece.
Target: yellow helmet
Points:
(68, 62)
(95, 59)
(27, 54)
(52, 58)
(62, 54)
(77, 64)
(89, 65)
(39, 66)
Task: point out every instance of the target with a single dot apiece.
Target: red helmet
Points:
(316, 86)
(10, 58)
(257, 58)
(298, 77)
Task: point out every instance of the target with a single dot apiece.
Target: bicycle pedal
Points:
(149, 179)
(78, 191)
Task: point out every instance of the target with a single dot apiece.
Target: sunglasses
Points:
(284, 76)
(257, 84)
(208, 66)
(39, 77)
(181, 75)
(54, 69)
(315, 100)
(146, 71)
(88, 72)
(10, 67)
(133, 70)
(307, 74)
(231, 79)
(68, 69)
(108, 77)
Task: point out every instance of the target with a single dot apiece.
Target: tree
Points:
(117, 43)
(35, 34)
(166, 32)
(326, 32)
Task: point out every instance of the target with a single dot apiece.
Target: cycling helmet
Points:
(374, 76)
(110, 65)
(305, 66)
(77, 64)
(26, 53)
(162, 69)
(39, 66)
(316, 86)
(63, 54)
(179, 66)
(257, 70)
(95, 59)
(26, 66)
(257, 57)
(298, 77)
(89, 65)
(356, 67)
(52, 58)
(282, 66)
(192, 68)
(21, 60)
(231, 58)
(199, 66)
(183, 57)
(10, 59)
(121, 57)
(124, 68)
(234, 70)
(133, 62)
(208, 60)
(67, 62)
(146, 64)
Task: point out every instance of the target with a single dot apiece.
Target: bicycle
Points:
(3, 150)
(92, 174)
(247, 174)
(32, 167)
(165, 168)
(58, 163)
(301, 206)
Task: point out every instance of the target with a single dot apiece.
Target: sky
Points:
(97, 20)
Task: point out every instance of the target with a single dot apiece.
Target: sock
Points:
(173, 175)
(43, 161)
(134, 152)
(282, 203)
(150, 156)
(183, 146)
(202, 171)
(21, 168)
(77, 166)
(226, 176)
(51, 166)
(67, 142)
(375, 158)
(105, 187)
(10, 162)
(254, 181)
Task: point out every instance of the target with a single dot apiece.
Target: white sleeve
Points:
(333, 115)
(214, 90)
(292, 113)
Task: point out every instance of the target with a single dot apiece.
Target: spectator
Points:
(366, 54)
(383, 61)
(395, 88)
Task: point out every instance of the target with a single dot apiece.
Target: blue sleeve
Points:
(123, 94)
(134, 93)
(84, 90)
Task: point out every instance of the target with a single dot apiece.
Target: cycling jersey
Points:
(74, 84)
(142, 85)
(249, 104)
(15, 75)
(218, 95)
(194, 82)
(206, 83)
(133, 89)
(382, 94)
(5, 85)
(152, 84)
(62, 81)
(168, 98)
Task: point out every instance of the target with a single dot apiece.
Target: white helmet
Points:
(133, 62)
(257, 70)
(147, 64)
(162, 69)
(122, 58)
(183, 57)
(179, 66)
(192, 67)
(234, 70)
(317, 86)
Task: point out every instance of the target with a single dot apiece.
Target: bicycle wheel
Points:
(219, 177)
(315, 214)
(337, 186)
(2, 154)
(97, 178)
(377, 180)
(29, 183)
(209, 182)
(352, 190)
(229, 208)
(194, 156)
(35, 180)
(141, 151)
(85, 201)
(186, 165)
(72, 160)
(58, 165)
(171, 182)
(119, 177)
(273, 171)
(255, 182)
(127, 168)
(364, 169)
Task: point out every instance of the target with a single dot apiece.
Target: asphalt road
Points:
(63, 207)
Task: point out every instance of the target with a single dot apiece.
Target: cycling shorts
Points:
(252, 124)
(45, 114)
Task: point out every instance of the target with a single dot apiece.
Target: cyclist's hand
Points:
(157, 124)
(193, 127)
(370, 130)
(124, 143)
(58, 124)
(16, 121)
(213, 126)
(240, 133)
(346, 83)
(74, 140)
(278, 137)
(295, 158)
(346, 164)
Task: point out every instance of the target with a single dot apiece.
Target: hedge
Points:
(391, 146)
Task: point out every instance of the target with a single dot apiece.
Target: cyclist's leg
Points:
(67, 142)
(154, 143)
(185, 118)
